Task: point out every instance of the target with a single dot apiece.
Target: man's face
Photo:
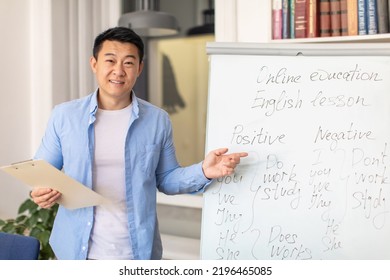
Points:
(117, 69)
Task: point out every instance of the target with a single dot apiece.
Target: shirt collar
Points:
(135, 103)
(94, 104)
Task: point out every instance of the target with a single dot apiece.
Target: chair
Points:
(18, 247)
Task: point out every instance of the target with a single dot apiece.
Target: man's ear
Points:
(141, 67)
(93, 62)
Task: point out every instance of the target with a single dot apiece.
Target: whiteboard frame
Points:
(312, 49)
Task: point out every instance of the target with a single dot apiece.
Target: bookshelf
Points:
(251, 21)
(376, 37)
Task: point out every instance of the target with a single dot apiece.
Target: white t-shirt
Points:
(110, 232)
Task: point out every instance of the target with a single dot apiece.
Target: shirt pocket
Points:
(150, 158)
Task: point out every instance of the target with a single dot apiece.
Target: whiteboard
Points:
(315, 120)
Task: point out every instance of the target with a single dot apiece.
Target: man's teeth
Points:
(116, 82)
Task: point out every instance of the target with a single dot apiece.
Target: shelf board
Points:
(377, 38)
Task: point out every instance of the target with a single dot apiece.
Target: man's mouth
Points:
(116, 82)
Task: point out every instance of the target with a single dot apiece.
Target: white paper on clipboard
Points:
(39, 173)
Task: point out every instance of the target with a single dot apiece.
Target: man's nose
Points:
(118, 70)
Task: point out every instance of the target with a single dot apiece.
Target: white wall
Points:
(14, 98)
(242, 20)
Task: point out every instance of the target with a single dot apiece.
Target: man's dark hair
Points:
(120, 34)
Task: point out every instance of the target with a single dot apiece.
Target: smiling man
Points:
(121, 147)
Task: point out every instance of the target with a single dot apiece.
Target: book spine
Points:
(383, 16)
(388, 4)
(300, 18)
(312, 21)
(335, 18)
(277, 24)
(344, 17)
(285, 19)
(324, 18)
(362, 23)
(352, 17)
(372, 17)
(292, 18)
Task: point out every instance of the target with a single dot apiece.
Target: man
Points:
(121, 147)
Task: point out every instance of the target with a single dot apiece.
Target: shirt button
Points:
(83, 248)
(89, 224)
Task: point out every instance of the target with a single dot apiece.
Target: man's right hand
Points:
(45, 197)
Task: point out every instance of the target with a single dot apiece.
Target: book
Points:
(344, 17)
(277, 19)
(372, 17)
(388, 4)
(362, 17)
(312, 21)
(352, 14)
(292, 18)
(324, 6)
(301, 18)
(285, 19)
(382, 7)
(335, 18)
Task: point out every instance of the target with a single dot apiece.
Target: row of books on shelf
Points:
(293, 19)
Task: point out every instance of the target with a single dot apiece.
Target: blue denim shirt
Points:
(150, 164)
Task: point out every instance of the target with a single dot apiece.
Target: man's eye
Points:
(109, 61)
(128, 63)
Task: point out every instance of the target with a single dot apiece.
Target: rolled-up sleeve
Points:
(171, 177)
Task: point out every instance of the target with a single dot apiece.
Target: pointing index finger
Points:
(242, 154)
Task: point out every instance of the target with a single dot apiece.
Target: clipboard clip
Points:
(24, 161)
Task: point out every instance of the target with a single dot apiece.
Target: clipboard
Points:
(39, 173)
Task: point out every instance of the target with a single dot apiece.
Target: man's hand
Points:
(218, 164)
(45, 197)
